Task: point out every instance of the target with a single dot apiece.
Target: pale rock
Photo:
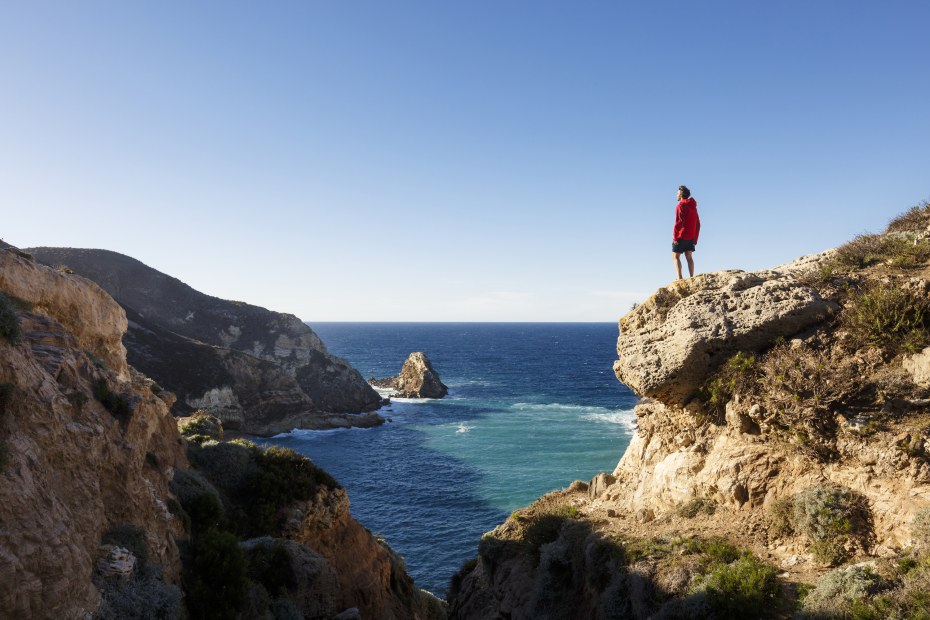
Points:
(115, 562)
(672, 342)
(599, 484)
(918, 365)
(417, 379)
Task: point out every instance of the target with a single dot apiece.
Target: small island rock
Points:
(417, 379)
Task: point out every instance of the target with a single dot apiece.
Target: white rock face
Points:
(919, 367)
(670, 344)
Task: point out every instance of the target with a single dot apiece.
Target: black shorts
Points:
(682, 245)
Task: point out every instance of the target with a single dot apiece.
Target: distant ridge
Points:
(259, 371)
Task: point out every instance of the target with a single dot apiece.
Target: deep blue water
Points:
(531, 407)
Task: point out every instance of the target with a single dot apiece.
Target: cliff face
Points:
(72, 470)
(783, 412)
(169, 321)
(96, 486)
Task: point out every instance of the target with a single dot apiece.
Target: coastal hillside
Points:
(112, 508)
(259, 371)
(780, 464)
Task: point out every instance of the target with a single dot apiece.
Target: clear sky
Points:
(472, 160)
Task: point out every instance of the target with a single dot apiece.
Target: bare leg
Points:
(677, 258)
(690, 264)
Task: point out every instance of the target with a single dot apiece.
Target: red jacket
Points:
(687, 222)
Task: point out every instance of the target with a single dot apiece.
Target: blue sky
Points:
(443, 161)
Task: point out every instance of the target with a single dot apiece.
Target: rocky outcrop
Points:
(224, 344)
(672, 342)
(72, 469)
(417, 379)
(822, 401)
(372, 578)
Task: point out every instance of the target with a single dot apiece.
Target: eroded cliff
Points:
(86, 445)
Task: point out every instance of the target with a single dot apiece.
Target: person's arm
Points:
(679, 223)
(697, 229)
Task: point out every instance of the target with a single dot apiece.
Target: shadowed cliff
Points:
(259, 371)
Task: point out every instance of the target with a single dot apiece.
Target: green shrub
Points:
(742, 588)
(131, 537)
(885, 315)
(201, 424)
(9, 320)
(830, 517)
(270, 565)
(914, 220)
(900, 250)
(175, 508)
(798, 384)
(735, 376)
(226, 464)
(114, 402)
(543, 528)
(142, 597)
(283, 477)
(698, 505)
(836, 590)
(781, 517)
(216, 581)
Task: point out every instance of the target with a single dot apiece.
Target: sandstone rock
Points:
(371, 576)
(417, 379)
(599, 484)
(74, 469)
(670, 344)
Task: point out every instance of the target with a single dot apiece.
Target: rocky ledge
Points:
(417, 379)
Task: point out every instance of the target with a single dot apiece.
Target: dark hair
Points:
(685, 192)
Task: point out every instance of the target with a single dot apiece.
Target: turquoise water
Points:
(531, 407)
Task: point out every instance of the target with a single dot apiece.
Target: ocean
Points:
(531, 407)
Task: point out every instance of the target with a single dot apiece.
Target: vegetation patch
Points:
(737, 375)
(903, 250)
(888, 316)
(200, 427)
(832, 518)
(114, 402)
(698, 505)
(270, 565)
(837, 590)
(141, 597)
(743, 588)
(130, 537)
(914, 220)
(215, 579)
(9, 320)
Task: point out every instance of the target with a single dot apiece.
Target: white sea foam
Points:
(624, 417)
(464, 428)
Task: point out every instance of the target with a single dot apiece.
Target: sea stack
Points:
(417, 379)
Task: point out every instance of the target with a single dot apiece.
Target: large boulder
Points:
(670, 344)
(417, 379)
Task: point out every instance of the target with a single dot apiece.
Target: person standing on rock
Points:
(687, 228)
